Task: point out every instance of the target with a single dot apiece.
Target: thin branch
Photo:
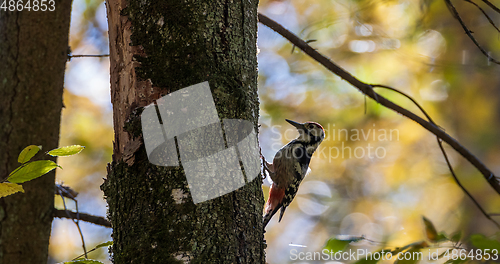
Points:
(407, 96)
(368, 91)
(76, 219)
(492, 6)
(440, 143)
(462, 187)
(455, 14)
(98, 220)
(65, 191)
(92, 250)
(484, 13)
(88, 56)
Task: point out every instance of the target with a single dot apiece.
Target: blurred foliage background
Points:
(86, 120)
(377, 173)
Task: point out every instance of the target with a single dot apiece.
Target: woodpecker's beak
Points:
(296, 124)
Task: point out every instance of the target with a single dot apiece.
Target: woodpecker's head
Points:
(309, 132)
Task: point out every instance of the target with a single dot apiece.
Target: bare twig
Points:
(98, 220)
(368, 91)
(492, 6)
(440, 143)
(76, 219)
(94, 249)
(65, 191)
(462, 187)
(484, 13)
(407, 96)
(88, 56)
(455, 14)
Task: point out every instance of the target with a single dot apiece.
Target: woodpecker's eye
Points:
(310, 126)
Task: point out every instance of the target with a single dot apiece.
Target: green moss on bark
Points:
(154, 218)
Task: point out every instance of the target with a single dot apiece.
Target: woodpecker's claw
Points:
(266, 167)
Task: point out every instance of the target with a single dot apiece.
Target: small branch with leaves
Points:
(30, 170)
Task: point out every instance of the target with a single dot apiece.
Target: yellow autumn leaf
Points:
(430, 230)
(28, 153)
(66, 151)
(7, 188)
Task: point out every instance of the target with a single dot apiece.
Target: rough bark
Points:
(158, 47)
(33, 53)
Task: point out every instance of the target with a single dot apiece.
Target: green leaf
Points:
(340, 242)
(66, 151)
(83, 261)
(441, 237)
(335, 245)
(7, 188)
(456, 236)
(430, 230)
(28, 153)
(32, 171)
(481, 242)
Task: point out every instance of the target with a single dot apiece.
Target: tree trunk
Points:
(33, 53)
(157, 48)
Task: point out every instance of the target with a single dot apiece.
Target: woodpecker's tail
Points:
(274, 203)
(267, 218)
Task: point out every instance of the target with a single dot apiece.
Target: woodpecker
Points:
(289, 167)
